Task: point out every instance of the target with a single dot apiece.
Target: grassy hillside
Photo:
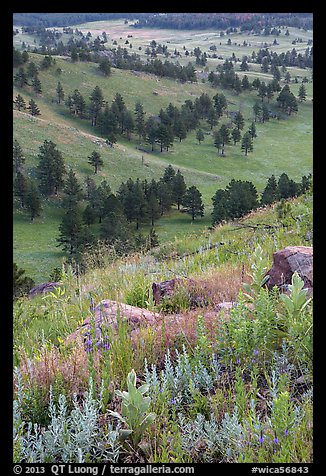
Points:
(281, 146)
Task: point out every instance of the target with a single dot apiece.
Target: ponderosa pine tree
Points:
(139, 120)
(18, 156)
(96, 104)
(218, 141)
(270, 193)
(20, 187)
(247, 143)
(72, 191)
(74, 236)
(200, 136)
(220, 206)
(60, 92)
(192, 202)
(33, 203)
(21, 284)
(20, 103)
(95, 160)
(179, 188)
(302, 94)
(36, 85)
(33, 108)
(239, 120)
(51, 169)
(20, 78)
(98, 199)
(153, 207)
(236, 135)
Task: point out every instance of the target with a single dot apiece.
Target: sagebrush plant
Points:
(72, 435)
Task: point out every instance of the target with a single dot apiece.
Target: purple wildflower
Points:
(255, 352)
(238, 361)
(173, 401)
(276, 440)
(261, 438)
(286, 432)
(89, 347)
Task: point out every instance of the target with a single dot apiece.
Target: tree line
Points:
(136, 202)
(241, 197)
(120, 215)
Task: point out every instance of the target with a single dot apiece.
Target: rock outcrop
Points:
(42, 289)
(107, 313)
(286, 262)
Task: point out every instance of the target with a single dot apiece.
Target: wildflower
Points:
(173, 401)
(276, 440)
(261, 438)
(255, 352)
(89, 345)
(238, 361)
(286, 432)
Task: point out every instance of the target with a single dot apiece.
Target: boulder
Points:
(286, 262)
(106, 314)
(166, 288)
(43, 288)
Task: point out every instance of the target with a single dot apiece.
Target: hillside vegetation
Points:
(220, 370)
(281, 146)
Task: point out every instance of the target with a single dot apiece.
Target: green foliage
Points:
(134, 410)
(258, 273)
(21, 284)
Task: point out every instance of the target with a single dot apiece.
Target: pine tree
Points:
(95, 160)
(90, 187)
(97, 102)
(164, 195)
(51, 168)
(257, 110)
(73, 234)
(21, 284)
(286, 187)
(302, 94)
(153, 207)
(225, 136)
(60, 92)
(33, 108)
(192, 202)
(218, 141)
(247, 143)
(20, 187)
(20, 103)
(20, 78)
(18, 156)
(179, 188)
(36, 85)
(105, 67)
(72, 191)
(98, 199)
(139, 120)
(200, 136)
(32, 70)
(270, 192)
(239, 120)
(236, 135)
(252, 130)
(220, 206)
(33, 200)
